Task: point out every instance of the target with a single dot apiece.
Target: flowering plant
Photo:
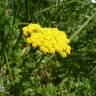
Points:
(47, 40)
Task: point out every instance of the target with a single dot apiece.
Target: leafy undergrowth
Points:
(24, 71)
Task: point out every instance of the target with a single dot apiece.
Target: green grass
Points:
(21, 75)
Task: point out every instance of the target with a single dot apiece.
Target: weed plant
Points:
(24, 71)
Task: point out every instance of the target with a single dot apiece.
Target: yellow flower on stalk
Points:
(48, 40)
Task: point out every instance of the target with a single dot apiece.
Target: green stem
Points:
(40, 60)
(7, 62)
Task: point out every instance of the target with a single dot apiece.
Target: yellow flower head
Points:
(48, 40)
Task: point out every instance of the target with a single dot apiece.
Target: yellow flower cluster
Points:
(48, 40)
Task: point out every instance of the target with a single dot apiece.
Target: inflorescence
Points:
(48, 40)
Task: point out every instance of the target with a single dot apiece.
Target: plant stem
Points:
(41, 59)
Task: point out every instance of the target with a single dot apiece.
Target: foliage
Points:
(25, 71)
